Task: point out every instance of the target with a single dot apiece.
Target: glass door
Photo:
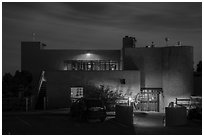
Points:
(149, 100)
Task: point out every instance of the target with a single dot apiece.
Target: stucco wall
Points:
(59, 83)
(35, 59)
(30, 61)
(170, 68)
(148, 61)
(54, 59)
(177, 66)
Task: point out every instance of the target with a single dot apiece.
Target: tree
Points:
(199, 67)
(19, 83)
(104, 93)
(7, 84)
(7, 78)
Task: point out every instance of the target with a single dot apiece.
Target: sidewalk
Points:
(62, 111)
(144, 123)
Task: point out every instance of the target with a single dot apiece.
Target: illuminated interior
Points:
(149, 99)
(98, 65)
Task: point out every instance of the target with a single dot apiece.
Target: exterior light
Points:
(130, 99)
(88, 54)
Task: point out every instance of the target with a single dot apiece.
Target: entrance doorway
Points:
(149, 99)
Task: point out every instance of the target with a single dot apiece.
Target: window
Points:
(76, 92)
(89, 65)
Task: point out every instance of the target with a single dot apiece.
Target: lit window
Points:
(91, 65)
(76, 92)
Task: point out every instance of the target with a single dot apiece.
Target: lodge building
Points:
(157, 74)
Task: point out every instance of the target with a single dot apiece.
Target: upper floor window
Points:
(91, 65)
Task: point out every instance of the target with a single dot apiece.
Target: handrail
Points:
(41, 81)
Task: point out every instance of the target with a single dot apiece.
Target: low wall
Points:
(124, 114)
(175, 116)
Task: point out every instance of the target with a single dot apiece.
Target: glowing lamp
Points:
(130, 99)
(88, 54)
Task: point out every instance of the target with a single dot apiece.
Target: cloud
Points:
(89, 7)
(173, 16)
(122, 15)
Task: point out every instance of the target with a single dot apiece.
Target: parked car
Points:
(84, 109)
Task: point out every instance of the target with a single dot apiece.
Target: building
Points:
(155, 75)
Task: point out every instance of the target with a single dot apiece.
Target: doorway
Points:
(149, 99)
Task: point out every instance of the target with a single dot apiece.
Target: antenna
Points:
(33, 36)
(179, 43)
(166, 39)
(152, 44)
(134, 42)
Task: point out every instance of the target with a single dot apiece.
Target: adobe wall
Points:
(170, 68)
(177, 72)
(35, 59)
(148, 61)
(54, 59)
(30, 61)
(60, 82)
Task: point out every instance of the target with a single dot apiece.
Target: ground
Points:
(58, 122)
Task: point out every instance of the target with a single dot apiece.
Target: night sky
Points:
(98, 26)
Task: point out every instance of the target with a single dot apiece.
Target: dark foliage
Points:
(19, 83)
(7, 84)
(199, 67)
(108, 96)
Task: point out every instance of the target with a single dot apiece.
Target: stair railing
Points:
(42, 79)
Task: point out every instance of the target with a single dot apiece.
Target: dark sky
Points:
(98, 26)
